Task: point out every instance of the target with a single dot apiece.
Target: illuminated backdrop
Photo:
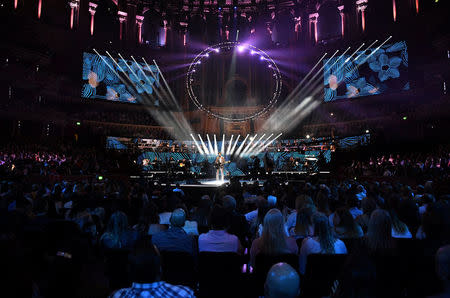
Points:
(367, 73)
(120, 80)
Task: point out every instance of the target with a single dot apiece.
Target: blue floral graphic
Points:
(102, 71)
(360, 87)
(374, 70)
(386, 68)
(369, 56)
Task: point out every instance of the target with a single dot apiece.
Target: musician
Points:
(156, 164)
(219, 164)
(171, 165)
(268, 163)
(185, 165)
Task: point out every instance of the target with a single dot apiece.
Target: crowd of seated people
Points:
(42, 160)
(410, 164)
(90, 238)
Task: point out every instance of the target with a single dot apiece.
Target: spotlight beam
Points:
(290, 110)
(211, 149)
(314, 76)
(307, 87)
(198, 146)
(250, 151)
(264, 142)
(215, 145)
(296, 89)
(348, 59)
(146, 77)
(229, 145)
(222, 150)
(268, 144)
(205, 149)
(371, 45)
(132, 71)
(167, 119)
(242, 144)
(274, 123)
(365, 59)
(234, 146)
(248, 145)
(312, 83)
(112, 68)
(165, 82)
(180, 119)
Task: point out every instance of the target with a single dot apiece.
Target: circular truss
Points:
(240, 47)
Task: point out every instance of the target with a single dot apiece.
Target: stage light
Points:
(253, 52)
(262, 58)
(216, 50)
(236, 7)
(207, 55)
(367, 131)
(404, 117)
(78, 123)
(331, 114)
(240, 49)
(199, 62)
(308, 136)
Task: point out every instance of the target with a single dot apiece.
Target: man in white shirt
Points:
(217, 239)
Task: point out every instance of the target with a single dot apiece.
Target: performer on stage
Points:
(219, 165)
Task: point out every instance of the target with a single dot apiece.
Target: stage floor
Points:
(213, 182)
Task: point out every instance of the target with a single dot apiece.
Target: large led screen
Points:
(367, 72)
(120, 80)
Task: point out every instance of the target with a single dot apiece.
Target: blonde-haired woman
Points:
(273, 240)
(323, 242)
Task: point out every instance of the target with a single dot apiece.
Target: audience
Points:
(80, 221)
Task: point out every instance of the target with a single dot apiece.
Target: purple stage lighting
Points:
(216, 50)
(240, 49)
(261, 58)
(206, 55)
(252, 52)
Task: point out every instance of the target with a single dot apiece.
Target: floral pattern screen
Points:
(368, 72)
(119, 80)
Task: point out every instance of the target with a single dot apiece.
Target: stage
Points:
(197, 182)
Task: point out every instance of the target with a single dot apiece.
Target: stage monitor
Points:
(120, 80)
(367, 72)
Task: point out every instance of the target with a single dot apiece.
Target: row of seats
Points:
(227, 274)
